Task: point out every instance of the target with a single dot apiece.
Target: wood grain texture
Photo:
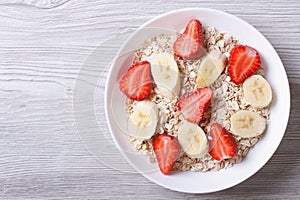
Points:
(42, 50)
(36, 3)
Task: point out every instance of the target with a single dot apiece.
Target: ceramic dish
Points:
(199, 182)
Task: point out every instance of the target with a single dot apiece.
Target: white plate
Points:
(193, 182)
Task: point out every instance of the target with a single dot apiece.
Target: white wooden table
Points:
(43, 45)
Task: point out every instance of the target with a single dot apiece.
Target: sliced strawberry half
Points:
(167, 150)
(136, 83)
(189, 45)
(243, 62)
(194, 105)
(222, 143)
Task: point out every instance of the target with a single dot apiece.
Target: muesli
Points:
(196, 101)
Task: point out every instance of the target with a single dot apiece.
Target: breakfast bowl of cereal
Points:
(197, 100)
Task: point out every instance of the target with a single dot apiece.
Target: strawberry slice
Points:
(167, 150)
(222, 143)
(243, 62)
(194, 105)
(136, 83)
(189, 45)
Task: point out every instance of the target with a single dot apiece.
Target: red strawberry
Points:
(136, 83)
(194, 105)
(243, 62)
(167, 150)
(189, 45)
(222, 143)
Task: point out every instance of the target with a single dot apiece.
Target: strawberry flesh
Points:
(222, 143)
(189, 45)
(136, 83)
(194, 105)
(167, 150)
(243, 62)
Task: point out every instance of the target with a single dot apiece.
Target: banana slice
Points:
(210, 68)
(143, 120)
(257, 91)
(165, 73)
(192, 140)
(246, 124)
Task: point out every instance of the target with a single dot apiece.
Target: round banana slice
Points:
(257, 91)
(192, 140)
(143, 120)
(165, 73)
(210, 68)
(246, 124)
